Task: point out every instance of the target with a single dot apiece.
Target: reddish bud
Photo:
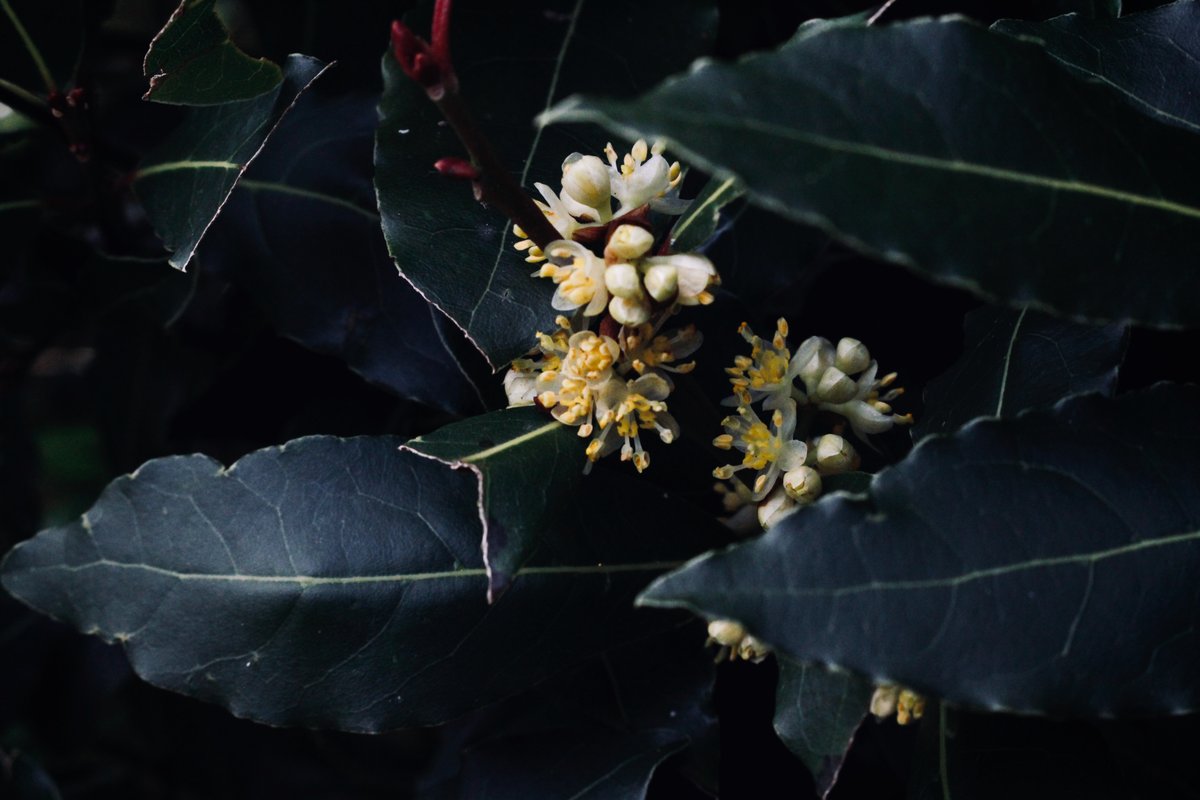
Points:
(415, 58)
(457, 168)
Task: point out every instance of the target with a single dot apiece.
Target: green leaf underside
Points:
(816, 713)
(1132, 55)
(338, 583)
(697, 225)
(1016, 360)
(528, 466)
(942, 146)
(1077, 551)
(192, 62)
(185, 182)
(457, 253)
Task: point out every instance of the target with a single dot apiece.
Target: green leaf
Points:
(509, 452)
(1017, 360)
(40, 44)
(938, 145)
(816, 713)
(301, 234)
(338, 583)
(457, 253)
(192, 62)
(185, 182)
(1130, 55)
(699, 223)
(996, 566)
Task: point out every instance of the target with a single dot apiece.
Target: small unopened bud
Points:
(628, 242)
(802, 484)
(629, 311)
(417, 59)
(883, 702)
(836, 387)
(777, 506)
(623, 280)
(455, 167)
(752, 649)
(852, 356)
(585, 180)
(909, 706)
(726, 632)
(835, 455)
(662, 282)
(814, 356)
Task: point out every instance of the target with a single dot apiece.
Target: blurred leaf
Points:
(40, 44)
(192, 62)
(699, 223)
(185, 182)
(457, 253)
(338, 583)
(1017, 360)
(1070, 535)
(1133, 55)
(22, 778)
(301, 234)
(935, 144)
(507, 451)
(816, 713)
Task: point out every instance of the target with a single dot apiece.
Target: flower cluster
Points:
(735, 643)
(613, 382)
(840, 379)
(906, 704)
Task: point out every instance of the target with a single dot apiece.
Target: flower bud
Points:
(835, 455)
(802, 484)
(777, 506)
(629, 311)
(752, 649)
(726, 632)
(836, 387)
(883, 701)
(814, 356)
(627, 243)
(662, 281)
(586, 180)
(852, 356)
(623, 280)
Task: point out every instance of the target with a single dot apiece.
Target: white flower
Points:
(694, 274)
(623, 410)
(628, 242)
(586, 188)
(767, 372)
(767, 451)
(579, 274)
(863, 409)
(661, 354)
(643, 175)
(629, 310)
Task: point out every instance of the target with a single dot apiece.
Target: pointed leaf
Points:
(1017, 360)
(1040, 564)
(338, 583)
(186, 181)
(457, 253)
(698, 224)
(937, 144)
(301, 234)
(192, 62)
(1131, 55)
(509, 452)
(816, 713)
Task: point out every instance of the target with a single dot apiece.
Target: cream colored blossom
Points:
(766, 450)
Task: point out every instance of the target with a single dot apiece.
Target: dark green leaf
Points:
(301, 234)
(1042, 564)
(457, 253)
(338, 583)
(1017, 360)
(528, 466)
(938, 145)
(816, 713)
(858, 483)
(186, 181)
(1133, 55)
(191, 61)
(40, 44)
(698, 224)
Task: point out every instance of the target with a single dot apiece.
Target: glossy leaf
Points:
(1017, 360)
(192, 62)
(937, 144)
(301, 234)
(1132, 55)
(185, 182)
(528, 466)
(457, 253)
(699, 223)
(1071, 536)
(338, 583)
(816, 713)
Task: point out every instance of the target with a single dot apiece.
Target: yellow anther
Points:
(724, 441)
(723, 473)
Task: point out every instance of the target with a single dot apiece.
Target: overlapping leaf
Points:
(966, 155)
(1133, 55)
(528, 466)
(513, 60)
(192, 62)
(301, 234)
(1017, 360)
(185, 182)
(338, 583)
(1070, 536)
